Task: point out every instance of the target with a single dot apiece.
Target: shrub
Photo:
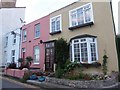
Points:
(59, 72)
(12, 66)
(25, 77)
(61, 52)
(104, 64)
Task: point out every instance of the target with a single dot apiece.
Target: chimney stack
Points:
(7, 3)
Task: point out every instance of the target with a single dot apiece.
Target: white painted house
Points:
(10, 21)
(12, 47)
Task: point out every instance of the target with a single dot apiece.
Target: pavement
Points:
(47, 85)
(51, 85)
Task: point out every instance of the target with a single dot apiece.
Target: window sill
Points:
(36, 38)
(36, 63)
(82, 25)
(94, 64)
(56, 32)
(24, 41)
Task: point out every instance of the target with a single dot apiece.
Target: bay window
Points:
(84, 50)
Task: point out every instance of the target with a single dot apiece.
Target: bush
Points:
(61, 52)
(59, 72)
(12, 66)
(25, 77)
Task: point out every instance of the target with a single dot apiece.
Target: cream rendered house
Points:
(89, 28)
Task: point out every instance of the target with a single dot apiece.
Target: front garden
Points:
(67, 73)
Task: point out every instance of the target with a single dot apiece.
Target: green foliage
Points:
(29, 59)
(12, 66)
(61, 52)
(104, 64)
(72, 66)
(59, 72)
(20, 60)
(25, 77)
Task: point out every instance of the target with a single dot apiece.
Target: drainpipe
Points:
(116, 41)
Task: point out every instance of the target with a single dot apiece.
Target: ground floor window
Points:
(36, 54)
(13, 56)
(84, 50)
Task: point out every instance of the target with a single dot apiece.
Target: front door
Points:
(49, 57)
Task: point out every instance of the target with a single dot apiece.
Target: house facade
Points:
(12, 47)
(9, 21)
(33, 36)
(89, 29)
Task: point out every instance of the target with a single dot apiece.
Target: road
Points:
(8, 84)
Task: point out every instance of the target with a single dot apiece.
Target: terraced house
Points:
(89, 28)
(32, 34)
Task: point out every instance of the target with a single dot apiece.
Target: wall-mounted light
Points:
(41, 42)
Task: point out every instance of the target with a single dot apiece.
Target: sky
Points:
(36, 9)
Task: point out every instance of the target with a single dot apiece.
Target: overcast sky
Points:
(36, 9)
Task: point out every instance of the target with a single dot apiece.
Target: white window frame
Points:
(35, 61)
(91, 10)
(51, 31)
(6, 41)
(24, 38)
(14, 38)
(88, 49)
(35, 35)
(13, 56)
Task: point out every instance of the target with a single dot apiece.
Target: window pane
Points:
(87, 13)
(24, 35)
(76, 52)
(80, 17)
(58, 26)
(36, 54)
(93, 51)
(55, 24)
(84, 54)
(37, 30)
(74, 18)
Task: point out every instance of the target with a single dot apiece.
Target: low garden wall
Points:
(14, 73)
(83, 83)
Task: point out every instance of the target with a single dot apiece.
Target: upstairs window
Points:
(81, 15)
(14, 39)
(6, 41)
(84, 50)
(24, 35)
(55, 24)
(37, 30)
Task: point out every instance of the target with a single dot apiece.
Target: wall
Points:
(44, 36)
(11, 46)
(10, 21)
(102, 28)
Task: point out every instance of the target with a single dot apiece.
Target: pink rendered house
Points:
(32, 36)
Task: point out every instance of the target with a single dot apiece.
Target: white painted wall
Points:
(11, 46)
(9, 21)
